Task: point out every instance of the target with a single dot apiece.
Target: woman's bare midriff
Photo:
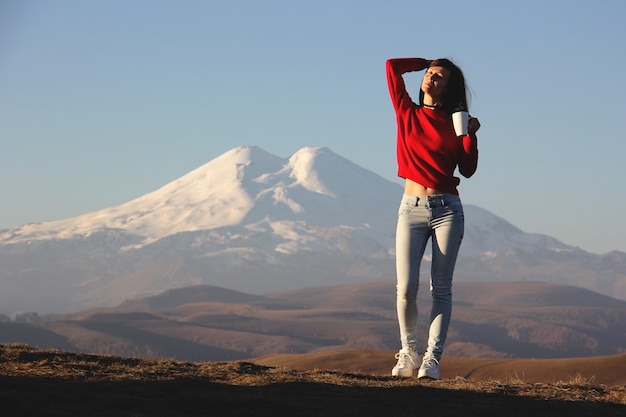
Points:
(413, 188)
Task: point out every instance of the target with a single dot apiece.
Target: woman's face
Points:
(435, 81)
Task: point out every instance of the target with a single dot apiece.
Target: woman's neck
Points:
(430, 101)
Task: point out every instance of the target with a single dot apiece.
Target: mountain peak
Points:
(245, 184)
(245, 154)
(305, 168)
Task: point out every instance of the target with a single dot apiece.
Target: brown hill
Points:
(490, 320)
(609, 370)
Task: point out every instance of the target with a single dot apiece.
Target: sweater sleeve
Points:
(468, 161)
(397, 89)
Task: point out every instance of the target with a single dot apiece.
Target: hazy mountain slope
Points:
(257, 223)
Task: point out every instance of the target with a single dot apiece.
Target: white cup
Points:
(460, 120)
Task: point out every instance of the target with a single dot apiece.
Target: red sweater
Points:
(428, 149)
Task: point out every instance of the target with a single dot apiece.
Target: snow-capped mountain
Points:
(251, 221)
(245, 186)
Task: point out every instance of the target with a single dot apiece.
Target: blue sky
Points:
(102, 101)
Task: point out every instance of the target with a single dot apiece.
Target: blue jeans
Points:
(441, 219)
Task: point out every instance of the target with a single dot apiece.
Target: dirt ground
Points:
(49, 383)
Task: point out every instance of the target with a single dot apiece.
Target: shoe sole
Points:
(401, 375)
(427, 376)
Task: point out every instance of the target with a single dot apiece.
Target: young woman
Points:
(428, 152)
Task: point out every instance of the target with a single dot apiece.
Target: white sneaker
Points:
(429, 368)
(407, 362)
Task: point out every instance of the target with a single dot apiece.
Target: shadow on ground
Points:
(41, 396)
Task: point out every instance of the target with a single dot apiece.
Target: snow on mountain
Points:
(486, 232)
(208, 197)
(254, 222)
(243, 186)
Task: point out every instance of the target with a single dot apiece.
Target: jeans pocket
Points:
(404, 210)
(456, 208)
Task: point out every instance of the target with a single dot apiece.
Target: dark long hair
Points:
(455, 97)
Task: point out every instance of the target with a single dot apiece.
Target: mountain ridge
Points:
(251, 221)
(204, 322)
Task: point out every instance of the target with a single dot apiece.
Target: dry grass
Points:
(49, 382)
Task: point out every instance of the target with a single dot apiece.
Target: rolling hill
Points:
(200, 323)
